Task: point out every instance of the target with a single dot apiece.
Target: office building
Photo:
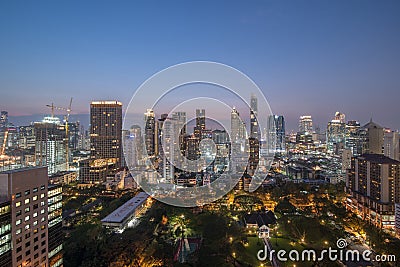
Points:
(63, 178)
(238, 128)
(336, 134)
(50, 144)
(180, 124)
(150, 133)
(56, 236)
(3, 119)
(391, 144)
(74, 135)
(133, 146)
(373, 185)
(106, 132)
(305, 124)
(352, 139)
(26, 191)
(200, 123)
(105, 142)
(5, 232)
(371, 138)
(168, 147)
(26, 136)
(397, 220)
(254, 155)
(254, 127)
(94, 171)
(276, 126)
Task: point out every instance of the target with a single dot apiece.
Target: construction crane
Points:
(66, 118)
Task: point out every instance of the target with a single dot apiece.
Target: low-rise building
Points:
(126, 214)
(64, 177)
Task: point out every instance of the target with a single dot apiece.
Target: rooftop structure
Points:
(120, 218)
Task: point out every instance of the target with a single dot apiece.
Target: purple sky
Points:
(308, 57)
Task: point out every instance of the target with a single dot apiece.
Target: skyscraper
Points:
(200, 123)
(391, 144)
(150, 133)
(352, 139)
(3, 119)
(105, 142)
(26, 191)
(254, 128)
(133, 146)
(305, 124)
(336, 134)
(238, 128)
(371, 138)
(50, 144)
(277, 124)
(181, 130)
(254, 155)
(168, 138)
(106, 131)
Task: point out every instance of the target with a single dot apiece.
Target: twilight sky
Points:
(308, 57)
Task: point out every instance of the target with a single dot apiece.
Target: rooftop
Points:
(379, 159)
(21, 169)
(260, 218)
(124, 211)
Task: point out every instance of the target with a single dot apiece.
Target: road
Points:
(274, 261)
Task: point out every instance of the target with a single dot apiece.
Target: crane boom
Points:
(66, 118)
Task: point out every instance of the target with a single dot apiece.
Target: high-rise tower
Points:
(150, 133)
(106, 131)
(26, 191)
(254, 128)
(50, 144)
(200, 123)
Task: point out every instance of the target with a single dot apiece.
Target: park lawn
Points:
(284, 244)
(249, 254)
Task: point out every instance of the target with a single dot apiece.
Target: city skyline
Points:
(304, 61)
(212, 133)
